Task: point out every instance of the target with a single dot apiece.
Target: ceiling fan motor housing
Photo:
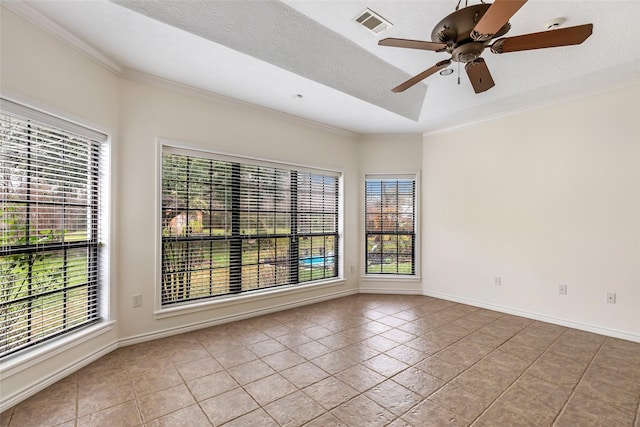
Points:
(467, 52)
(455, 30)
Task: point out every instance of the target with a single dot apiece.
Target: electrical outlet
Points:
(497, 281)
(562, 289)
(611, 297)
(353, 269)
(137, 300)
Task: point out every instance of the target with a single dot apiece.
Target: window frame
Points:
(194, 305)
(415, 276)
(99, 323)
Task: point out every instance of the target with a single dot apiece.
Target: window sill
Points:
(250, 297)
(390, 277)
(37, 354)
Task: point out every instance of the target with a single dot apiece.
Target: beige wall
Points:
(389, 154)
(540, 198)
(39, 70)
(150, 110)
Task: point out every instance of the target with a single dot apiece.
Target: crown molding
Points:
(25, 11)
(161, 82)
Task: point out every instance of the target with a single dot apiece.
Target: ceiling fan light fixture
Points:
(446, 72)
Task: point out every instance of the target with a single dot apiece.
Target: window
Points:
(233, 225)
(390, 206)
(49, 226)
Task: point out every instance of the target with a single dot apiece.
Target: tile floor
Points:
(363, 360)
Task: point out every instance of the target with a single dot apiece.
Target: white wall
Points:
(392, 154)
(540, 198)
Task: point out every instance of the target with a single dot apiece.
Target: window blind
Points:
(49, 227)
(230, 225)
(390, 224)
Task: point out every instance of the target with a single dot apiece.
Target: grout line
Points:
(573, 389)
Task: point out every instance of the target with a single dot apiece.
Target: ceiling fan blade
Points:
(423, 75)
(494, 18)
(479, 75)
(553, 38)
(413, 44)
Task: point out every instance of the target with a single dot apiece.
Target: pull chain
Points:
(458, 73)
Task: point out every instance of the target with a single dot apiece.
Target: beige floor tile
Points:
(293, 339)
(405, 354)
(191, 416)
(394, 397)
(427, 413)
(228, 406)
(419, 381)
(557, 369)
(304, 374)
(211, 385)
(46, 413)
(358, 352)
(122, 415)
(448, 363)
(265, 348)
(465, 403)
(584, 410)
(283, 360)
(333, 362)
(325, 420)
(380, 343)
(250, 372)
(232, 358)
(385, 365)
(317, 332)
(257, 418)
(5, 417)
(306, 409)
(311, 350)
(270, 388)
(443, 366)
(499, 415)
(362, 411)
(103, 398)
(534, 399)
(198, 368)
(330, 392)
(360, 377)
(164, 402)
(156, 381)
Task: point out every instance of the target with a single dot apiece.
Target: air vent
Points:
(372, 21)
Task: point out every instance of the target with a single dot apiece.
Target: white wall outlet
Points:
(137, 300)
(497, 281)
(353, 269)
(562, 289)
(611, 297)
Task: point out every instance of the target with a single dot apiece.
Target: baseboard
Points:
(150, 336)
(537, 316)
(43, 383)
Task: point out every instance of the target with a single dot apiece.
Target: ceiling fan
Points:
(465, 33)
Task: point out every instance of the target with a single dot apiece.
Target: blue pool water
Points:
(316, 261)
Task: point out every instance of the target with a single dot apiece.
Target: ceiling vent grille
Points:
(372, 21)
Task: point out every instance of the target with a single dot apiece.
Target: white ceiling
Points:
(267, 52)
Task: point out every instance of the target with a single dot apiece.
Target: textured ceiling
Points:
(267, 52)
